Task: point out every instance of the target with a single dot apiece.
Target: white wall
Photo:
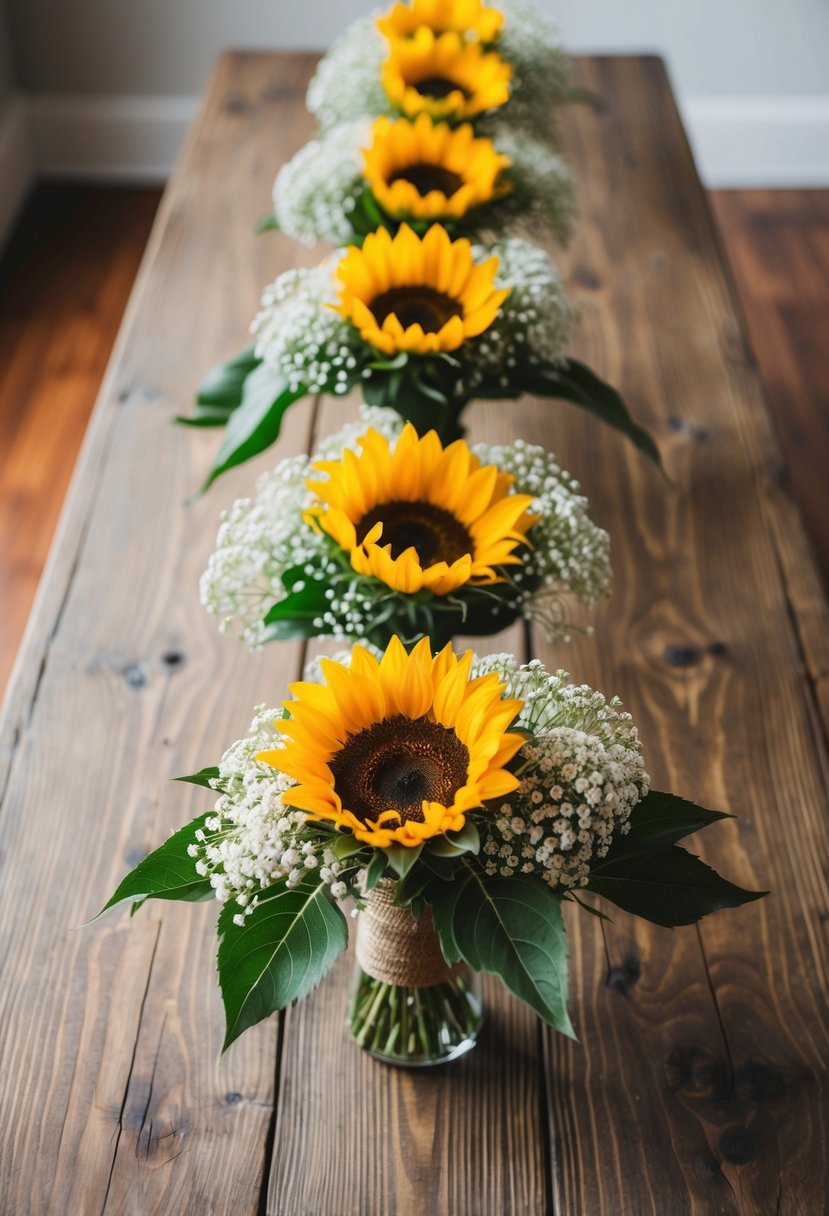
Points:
(751, 75)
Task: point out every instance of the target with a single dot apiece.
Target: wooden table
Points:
(700, 1082)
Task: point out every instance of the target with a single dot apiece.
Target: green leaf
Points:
(168, 873)
(255, 425)
(401, 859)
(223, 384)
(294, 616)
(281, 952)
(346, 846)
(375, 869)
(660, 820)
(268, 223)
(203, 777)
(574, 381)
(512, 927)
(454, 844)
(669, 888)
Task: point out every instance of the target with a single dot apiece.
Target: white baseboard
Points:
(17, 169)
(118, 139)
(760, 141)
(738, 141)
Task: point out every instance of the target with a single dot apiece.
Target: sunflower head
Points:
(421, 517)
(431, 171)
(426, 295)
(469, 18)
(444, 76)
(399, 749)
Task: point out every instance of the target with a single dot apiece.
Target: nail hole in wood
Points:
(623, 977)
(135, 674)
(173, 658)
(682, 656)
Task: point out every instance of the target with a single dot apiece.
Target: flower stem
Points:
(411, 1025)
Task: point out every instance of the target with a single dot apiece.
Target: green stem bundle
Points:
(414, 1026)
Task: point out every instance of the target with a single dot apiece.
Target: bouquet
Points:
(359, 176)
(386, 533)
(422, 325)
(456, 60)
(459, 803)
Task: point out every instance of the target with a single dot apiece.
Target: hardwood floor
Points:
(64, 283)
(67, 274)
(778, 245)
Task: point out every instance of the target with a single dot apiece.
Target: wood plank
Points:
(701, 1082)
(113, 1098)
(417, 1142)
(64, 284)
(778, 248)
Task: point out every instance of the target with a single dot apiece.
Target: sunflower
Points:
(398, 749)
(469, 18)
(430, 170)
(444, 76)
(421, 516)
(424, 296)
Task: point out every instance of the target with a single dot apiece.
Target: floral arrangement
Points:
(455, 60)
(460, 803)
(386, 533)
(457, 803)
(359, 176)
(421, 325)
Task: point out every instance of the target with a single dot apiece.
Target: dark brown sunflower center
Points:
(425, 177)
(416, 305)
(396, 765)
(435, 534)
(438, 87)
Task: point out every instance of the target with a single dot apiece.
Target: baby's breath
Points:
(582, 773)
(262, 538)
(347, 82)
(302, 338)
(316, 191)
(252, 839)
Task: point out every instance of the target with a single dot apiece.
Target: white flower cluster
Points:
(260, 539)
(582, 773)
(252, 839)
(541, 69)
(570, 554)
(316, 191)
(534, 325)
(303, 339)
(544, 188)
(347, 82)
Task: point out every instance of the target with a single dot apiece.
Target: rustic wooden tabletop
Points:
(700, 1081)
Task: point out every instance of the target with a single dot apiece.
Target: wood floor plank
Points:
(701, 1083)
(109, 1035)
(64, 284)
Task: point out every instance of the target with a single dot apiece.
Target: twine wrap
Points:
(394, 948)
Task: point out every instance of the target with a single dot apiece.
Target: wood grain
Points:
(64, 284)
(700, 1084)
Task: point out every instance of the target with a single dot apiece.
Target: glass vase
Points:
(407, 1006)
